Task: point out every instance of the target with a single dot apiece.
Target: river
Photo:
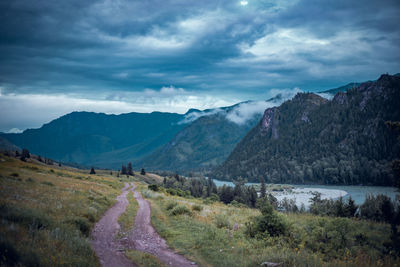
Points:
(303, 193)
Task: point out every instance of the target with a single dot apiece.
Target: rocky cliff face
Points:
(312, 140)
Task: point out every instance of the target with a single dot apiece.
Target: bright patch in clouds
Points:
(21, 111)
(244, 3)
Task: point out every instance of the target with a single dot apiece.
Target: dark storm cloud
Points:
(105, 49)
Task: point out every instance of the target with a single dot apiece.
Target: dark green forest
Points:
(312, 140)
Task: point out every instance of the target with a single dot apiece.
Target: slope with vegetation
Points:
(201, 145)
(312, 140)
(98, 139)
(47, 212)
(216, 234)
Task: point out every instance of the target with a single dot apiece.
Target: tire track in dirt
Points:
(145, 238)
(110, 251)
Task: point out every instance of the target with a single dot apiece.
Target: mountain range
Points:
(300, 145)
(310, 139)
(196, 140)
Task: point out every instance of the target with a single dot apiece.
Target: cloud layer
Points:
(183, 51)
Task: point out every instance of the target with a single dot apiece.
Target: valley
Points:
(58, 212)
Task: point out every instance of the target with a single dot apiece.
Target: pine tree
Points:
(252, 197)
(92, 171)
(263, 189)
(143, 172)
(123, 169)
(130, 169)
(350, 208)
(25, 153)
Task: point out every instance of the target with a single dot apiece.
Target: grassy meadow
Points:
(215, 235)
(47, 212)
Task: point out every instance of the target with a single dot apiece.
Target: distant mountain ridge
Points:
(210, 137)
(312, 140)
(196, 140)
(98, 139)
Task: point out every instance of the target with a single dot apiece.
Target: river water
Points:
(303, 193)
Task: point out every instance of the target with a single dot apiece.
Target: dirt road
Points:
(108, 250)
(143, 237)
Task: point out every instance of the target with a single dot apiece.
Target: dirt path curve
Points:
(108, 250)
(144, 237)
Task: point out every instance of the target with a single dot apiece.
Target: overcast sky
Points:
(118, 56)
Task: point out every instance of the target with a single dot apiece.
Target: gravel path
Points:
(143, 237)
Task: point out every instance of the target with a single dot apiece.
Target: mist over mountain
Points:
(164, 141)
(313, 140)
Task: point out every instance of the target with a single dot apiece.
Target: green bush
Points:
(171, 205)
(237, 204)
(8, 254)
(34, 219)
(153, 187)
(180, 210)
(270, 223)
(221, 221)
(47, 183)
(82, 224)
(197, 207)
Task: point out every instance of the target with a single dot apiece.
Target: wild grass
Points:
(46, 216)
(142, 259)
(127, 219)
(217, 236)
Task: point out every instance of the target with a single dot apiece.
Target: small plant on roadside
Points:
(180, 210)
(171, 205)
(197, 208)
(153, 187)
(221, 221)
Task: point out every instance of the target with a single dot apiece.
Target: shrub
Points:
(82, 224)
(153, 187)
(47, 183)
(29, 217)
(197, 207)
(237, 204)
(31, 180)
(221, 221)
(8, 254)
(180, 210)
(171, 205)
(269, 223)
(14, 174)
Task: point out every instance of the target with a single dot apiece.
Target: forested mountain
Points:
(312, 140)
(201, 145)
(343, 88)
(98, 139)
(6, 145)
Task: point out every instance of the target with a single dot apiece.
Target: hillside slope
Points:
(312, 140)
(98, 139)
(208, 140)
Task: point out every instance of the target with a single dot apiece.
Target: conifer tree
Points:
(130, 169)
(25, 153)
(123, 169)
(143, 172)
(92, 171)
(263, 189)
